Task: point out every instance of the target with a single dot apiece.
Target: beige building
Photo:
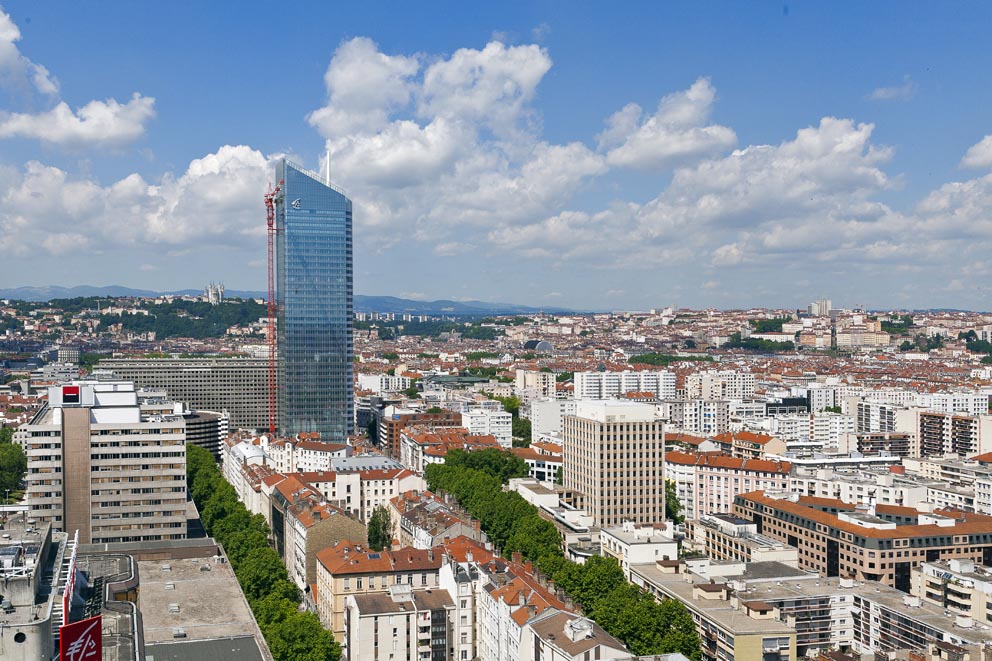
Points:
(348, 569)
(613, 453)
(109, 462)
(399, 624)
(876, 543)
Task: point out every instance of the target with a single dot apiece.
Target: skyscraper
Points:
(314, 292)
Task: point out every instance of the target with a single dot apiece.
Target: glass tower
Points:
(314, 293)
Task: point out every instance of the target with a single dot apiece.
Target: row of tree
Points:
(625, 611)
(292, 635)
(664, 359)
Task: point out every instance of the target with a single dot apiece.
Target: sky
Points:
(586, 155)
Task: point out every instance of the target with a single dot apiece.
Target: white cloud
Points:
(897, 92)
(95, 123)
(16, 70)
(217, 201)
(677, 132)
(979, 155)
(363, 87)
(450, 145)
(491, 86)
(107, 122)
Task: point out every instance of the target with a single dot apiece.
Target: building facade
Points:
(237, 386)
(613, 453)
(314, 284)
(100, 465)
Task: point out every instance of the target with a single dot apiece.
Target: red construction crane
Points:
(272, 198)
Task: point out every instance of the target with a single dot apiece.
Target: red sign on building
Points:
(82, 641)
(70, 394)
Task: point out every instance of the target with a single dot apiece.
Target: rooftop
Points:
(210, 603)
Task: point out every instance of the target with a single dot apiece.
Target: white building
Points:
(723, 384)
(697, 416)
(546, 415)
(607, 385)
(534, 384)
(106, 461)
(499, 424)
(631, 544)
(380, 383)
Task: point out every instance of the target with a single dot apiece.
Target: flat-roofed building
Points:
(237, 386)
(102, 462)
(613, 453)
(727, 537)
(876, 543)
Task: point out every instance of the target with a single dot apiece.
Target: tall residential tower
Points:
(314, 294)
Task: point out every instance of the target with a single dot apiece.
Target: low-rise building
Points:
(633, 544)
(400, 623)
(348, 568)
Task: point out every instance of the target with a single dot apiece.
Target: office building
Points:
(100, 465)
(315, 310)
(207, 429)
(33, 569)
(880, 543)
(613, 454)
(236, 386)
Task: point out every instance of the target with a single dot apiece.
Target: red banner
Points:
(82, 641)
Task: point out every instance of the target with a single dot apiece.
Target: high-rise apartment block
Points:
(237, 386)
(613, 453)
(723, 384)
(103, 462)
(606, 385)
(315, 308)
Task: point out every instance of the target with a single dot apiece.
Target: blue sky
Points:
(569, 154)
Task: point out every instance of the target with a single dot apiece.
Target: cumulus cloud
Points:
(16, 70)
(108, 122)
(675, 133)
(95, 123)
(429, 145)
(979, 155)
(896, 92)
(216, 199)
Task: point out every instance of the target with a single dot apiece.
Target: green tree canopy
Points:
(380, 529)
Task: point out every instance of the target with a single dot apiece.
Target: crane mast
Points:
(273, 197)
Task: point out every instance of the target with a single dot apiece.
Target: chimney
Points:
(516, 557)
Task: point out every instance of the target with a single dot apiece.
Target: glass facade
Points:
(314, 293)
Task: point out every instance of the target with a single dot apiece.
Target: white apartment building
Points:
(380, 383)
(613, 453)
(498, 424)
(302, 454)
(100, 465)
(607, 385)
(546, 415)
(722, 384)
(860, 487)
(704, 417)
(534, 384)
(631, 544)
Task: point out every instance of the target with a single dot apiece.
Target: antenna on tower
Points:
(327, 165)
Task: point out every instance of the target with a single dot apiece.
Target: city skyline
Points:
(730, 156)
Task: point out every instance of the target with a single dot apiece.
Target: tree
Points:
(559, 477)
(301, 637)
(6, 434)
(906, 346)
(380, 529)
(13, 463)
(690, 344)
(521, 433)
(673, 506)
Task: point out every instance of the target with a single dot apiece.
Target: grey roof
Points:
(221, 649)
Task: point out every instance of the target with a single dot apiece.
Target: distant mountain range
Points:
(362, 303)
